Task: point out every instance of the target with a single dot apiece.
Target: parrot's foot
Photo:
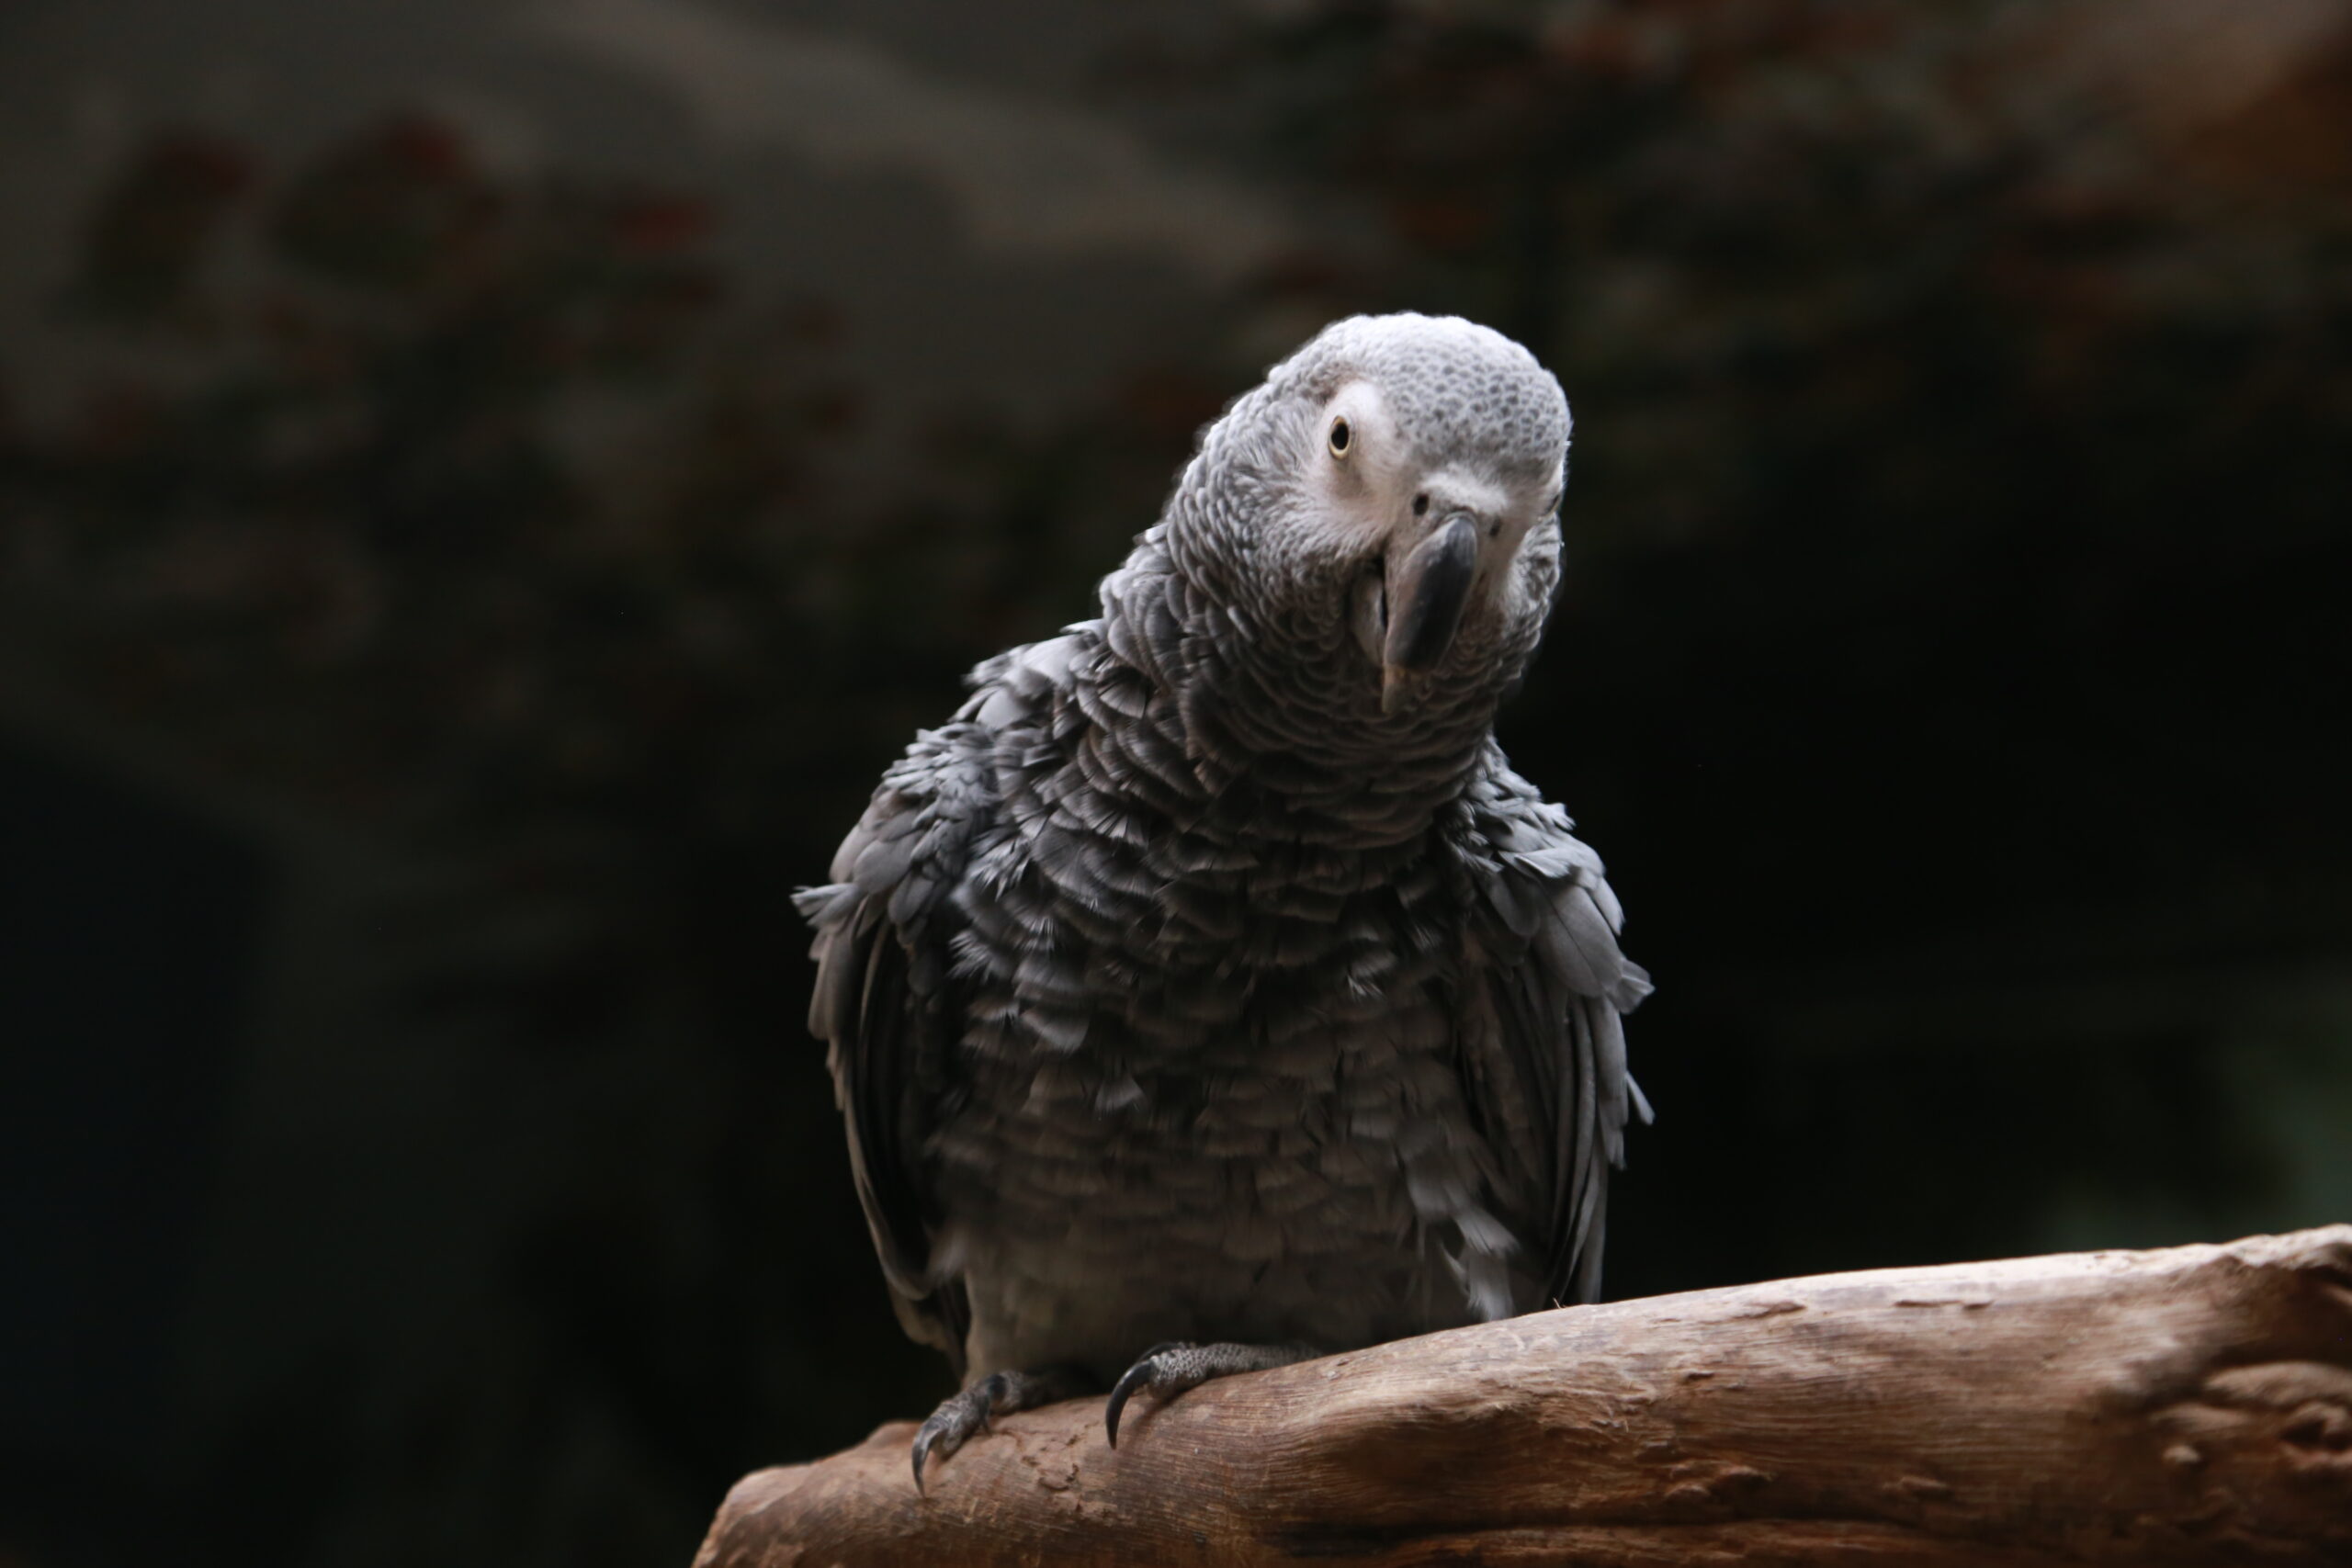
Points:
(998, 1393)
(1169, 1370)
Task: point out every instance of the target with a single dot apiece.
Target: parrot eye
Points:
(1342, 437)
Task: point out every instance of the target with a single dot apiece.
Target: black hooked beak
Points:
(1426, 597)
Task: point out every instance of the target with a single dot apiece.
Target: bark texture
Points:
(2190, 1406)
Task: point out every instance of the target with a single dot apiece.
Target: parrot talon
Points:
(963, 1414)
(1145, 1370)
(1169, 1370)
(957, 1418)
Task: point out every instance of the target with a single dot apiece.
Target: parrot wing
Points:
(1543, 1048)
(886, 1005)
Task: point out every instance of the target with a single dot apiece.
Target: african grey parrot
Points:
(1210, 977)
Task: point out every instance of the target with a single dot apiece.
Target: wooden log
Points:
(2192, 1405)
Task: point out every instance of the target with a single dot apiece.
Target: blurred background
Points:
(486, 487)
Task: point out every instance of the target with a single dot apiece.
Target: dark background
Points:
(485, 488)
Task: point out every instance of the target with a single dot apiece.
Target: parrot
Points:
(1209, 994)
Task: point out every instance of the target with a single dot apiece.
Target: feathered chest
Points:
(1140, 942)
(1132, 932)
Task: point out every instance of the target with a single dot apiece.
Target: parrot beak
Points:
(1426, 595)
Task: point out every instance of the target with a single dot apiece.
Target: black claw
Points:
(946, 1432)
(1145, 1370)
(922, 1451)
(1133, 1379)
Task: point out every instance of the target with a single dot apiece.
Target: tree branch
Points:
(2185, 1406)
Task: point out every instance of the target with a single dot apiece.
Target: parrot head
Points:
(1403, 477)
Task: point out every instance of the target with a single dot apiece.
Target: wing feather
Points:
(1546, 987)
(889, 1013)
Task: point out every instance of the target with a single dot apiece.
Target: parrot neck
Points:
(1268, 726)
